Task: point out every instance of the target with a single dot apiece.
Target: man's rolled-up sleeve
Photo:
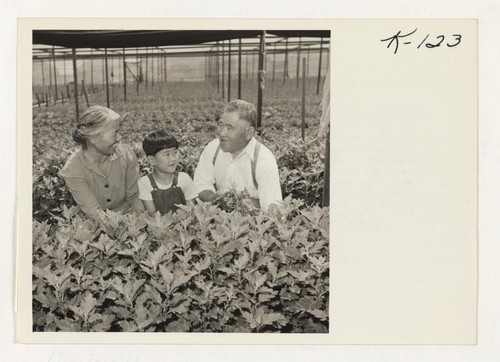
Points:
(204, 175)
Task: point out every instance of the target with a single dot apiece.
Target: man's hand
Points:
(207, 195)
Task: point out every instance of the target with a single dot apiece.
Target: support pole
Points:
(223, 84)
(261, 78)
(92, 70)
(107, 78)
(147, 67)
(84, 89)
(124, 77)
(138, 76)
(55, 73)
(75, 83)
(253, 65)
(274, 61)
(158, 69)
(50, 79)
(298, 62)
(43, 74)
(239, 68)
(326, 176)
(229, 73)
(217, 67)
(103, 68)
(303, 124)
(319, 65)
(165, 59)
(307, 63)
(64, 63)
(285, 64)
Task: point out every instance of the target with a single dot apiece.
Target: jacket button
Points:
(106, 186)
(108, 200)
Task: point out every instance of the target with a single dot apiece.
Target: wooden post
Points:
(239, 68)
(92, 70)
(307, 63)
(55, 73)
(298, 62)
(229, 73)
(285, 64)
(38, 100)
(119, 71)
(246, 66)
(103, 68)
(46, 100)
(83, 62)
(67, 91)
(165, 69)
(124, 77)
(319, 66)
(50, 79)
(62, 96)
(75, 83)
(223, 83)
(217, 68)
(147, 67)
(65, 82)
(274, 61)
(107, 78)
(303, 124)
(152, 70)
(137, 77)
(43, 74)
(158, 69)
(326, 175)
(253, 64)
(84, 89)
(261, 77)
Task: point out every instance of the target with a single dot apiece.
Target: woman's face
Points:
(105, 142)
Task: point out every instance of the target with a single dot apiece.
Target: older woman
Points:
(103, 174)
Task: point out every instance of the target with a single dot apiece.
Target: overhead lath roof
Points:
(145, 38)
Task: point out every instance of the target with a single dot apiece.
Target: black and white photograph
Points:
(246, 181)
(181, 180)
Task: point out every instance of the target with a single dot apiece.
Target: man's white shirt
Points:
(229, 173)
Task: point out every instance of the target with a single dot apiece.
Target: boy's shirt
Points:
(183, 181)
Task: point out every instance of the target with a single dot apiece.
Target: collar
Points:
(249, 149)
(89, 167)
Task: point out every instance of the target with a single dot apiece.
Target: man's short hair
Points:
(245, 110)
(157, 141)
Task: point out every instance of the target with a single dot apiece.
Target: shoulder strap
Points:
(216, 154)
(174, 179)
(254, 163)
(153, 182)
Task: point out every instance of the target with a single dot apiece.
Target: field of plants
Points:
(222, 267)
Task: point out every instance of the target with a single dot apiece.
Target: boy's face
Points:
(165, 161)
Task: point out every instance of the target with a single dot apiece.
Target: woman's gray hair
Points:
(91, 123)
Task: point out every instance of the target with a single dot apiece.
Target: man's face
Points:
(234, 133)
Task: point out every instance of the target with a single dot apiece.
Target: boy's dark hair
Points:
(157, 141)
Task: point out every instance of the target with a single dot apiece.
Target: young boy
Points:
(164, 188)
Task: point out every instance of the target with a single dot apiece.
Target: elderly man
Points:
(236, 160)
